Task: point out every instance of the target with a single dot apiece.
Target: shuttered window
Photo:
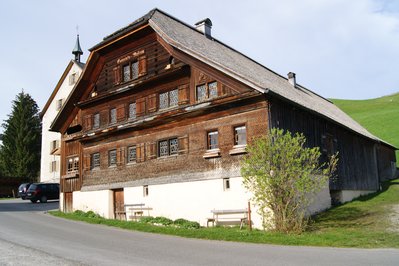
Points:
(72, 164)
(132, 111)
(95, 160)
(131, 154)
(168, 147)
(112, 158)
(112, 116)
(96, 120)
(168, 99)
(130, 71)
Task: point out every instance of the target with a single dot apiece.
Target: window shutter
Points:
(86, 162)
(152, 102)
(140, 107)
(117, 75)
(88, 122)
(142, 65)
(140, 153)
(57, 143)
(184, 94)
(151, 150)
(120, 113)
(51, 167)
(183, 144)
(119, 156)
(57, 166)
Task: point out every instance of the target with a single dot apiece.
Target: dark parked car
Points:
(22, 189)
(43, 192)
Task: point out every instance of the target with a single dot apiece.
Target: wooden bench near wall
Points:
(229, 217)
(137, 211)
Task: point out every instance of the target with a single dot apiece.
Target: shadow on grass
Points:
(384, 187)
(358, 213)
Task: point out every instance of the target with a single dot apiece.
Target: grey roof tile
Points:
(248, 71)
(235, 64)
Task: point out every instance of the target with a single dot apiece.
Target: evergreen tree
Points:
(21, 140)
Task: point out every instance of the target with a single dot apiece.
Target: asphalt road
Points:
(29, 236)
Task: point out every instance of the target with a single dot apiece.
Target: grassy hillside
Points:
(379, 116)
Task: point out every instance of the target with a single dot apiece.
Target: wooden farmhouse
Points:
(162, 114)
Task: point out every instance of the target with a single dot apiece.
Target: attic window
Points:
(207, 91)
(130, 71)
(130, 67)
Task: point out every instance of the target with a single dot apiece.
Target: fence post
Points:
(249, 216)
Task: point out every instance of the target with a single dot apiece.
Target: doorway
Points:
(119, 204)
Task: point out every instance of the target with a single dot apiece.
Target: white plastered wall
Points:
(348, 195)
(321, 200)
(100, 202)
(48, 136)
(189, 200)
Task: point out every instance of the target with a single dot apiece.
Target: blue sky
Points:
(337, 48)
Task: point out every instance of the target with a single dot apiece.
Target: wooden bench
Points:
(228, 216)
(137, 210)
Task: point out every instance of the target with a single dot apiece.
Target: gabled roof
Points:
(59, 83)
(236, 65)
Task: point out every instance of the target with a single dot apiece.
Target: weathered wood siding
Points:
(386, 162)
(357, 168)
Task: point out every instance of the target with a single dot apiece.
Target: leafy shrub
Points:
(89, 214)
(79, 213)
(147, 220)
(180, 221)
(186, 224)
(163, 220)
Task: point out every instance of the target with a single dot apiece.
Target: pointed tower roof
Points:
(77, 50)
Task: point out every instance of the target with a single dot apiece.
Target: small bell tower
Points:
(77, 51)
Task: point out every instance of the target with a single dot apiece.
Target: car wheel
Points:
(23, 198)
(33, 201)
(43, 199)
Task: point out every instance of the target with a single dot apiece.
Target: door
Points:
(68, 201)
(119, 204)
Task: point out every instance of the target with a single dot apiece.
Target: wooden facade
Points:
(144, 112)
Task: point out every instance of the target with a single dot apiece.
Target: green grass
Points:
(362, 223)
(6, 198)
(380, 116)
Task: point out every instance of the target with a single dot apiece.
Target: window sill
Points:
(167, 157)
(211, 154)
(238, 149)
